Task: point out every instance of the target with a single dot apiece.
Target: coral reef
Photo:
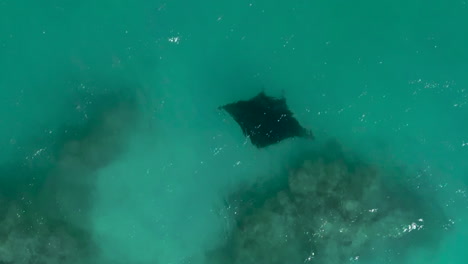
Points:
(46, 197)
(26, 238)
(330, 211)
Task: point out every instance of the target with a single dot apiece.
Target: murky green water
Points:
(113, 150)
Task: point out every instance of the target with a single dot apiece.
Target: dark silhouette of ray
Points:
(266, 120)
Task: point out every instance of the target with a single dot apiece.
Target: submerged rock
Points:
(45, 210)
(331, 211)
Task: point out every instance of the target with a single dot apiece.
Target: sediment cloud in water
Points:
(45, 197)
(331, 209)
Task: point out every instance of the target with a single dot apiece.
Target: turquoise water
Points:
(113, 150)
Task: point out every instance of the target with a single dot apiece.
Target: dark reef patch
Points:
(46, 196)
(331, 208)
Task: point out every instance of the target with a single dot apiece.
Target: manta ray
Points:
(266, 120)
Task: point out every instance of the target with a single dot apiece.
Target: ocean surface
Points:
(113, 149)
